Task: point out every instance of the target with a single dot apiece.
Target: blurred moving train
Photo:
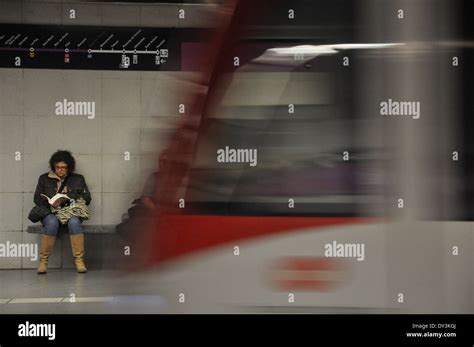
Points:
(302, 83)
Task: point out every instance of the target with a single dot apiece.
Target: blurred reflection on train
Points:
(285, 170)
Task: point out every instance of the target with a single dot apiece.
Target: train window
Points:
(294, 122)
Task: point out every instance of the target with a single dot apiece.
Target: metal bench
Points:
(88, 229)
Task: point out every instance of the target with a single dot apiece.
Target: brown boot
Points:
(46, 248)
(77, 245)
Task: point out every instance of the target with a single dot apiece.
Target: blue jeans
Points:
(51, 225)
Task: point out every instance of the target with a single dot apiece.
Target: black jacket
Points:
(76, 188)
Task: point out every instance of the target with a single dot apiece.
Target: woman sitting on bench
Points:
(62, 180)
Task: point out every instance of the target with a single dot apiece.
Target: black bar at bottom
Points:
(317, 330)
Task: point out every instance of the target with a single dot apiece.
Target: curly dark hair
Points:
(64, 156)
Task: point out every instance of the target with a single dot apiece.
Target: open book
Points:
(56, 197)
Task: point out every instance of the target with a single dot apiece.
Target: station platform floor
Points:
(65, 291)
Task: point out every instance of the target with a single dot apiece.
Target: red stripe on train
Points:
(177, 235)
